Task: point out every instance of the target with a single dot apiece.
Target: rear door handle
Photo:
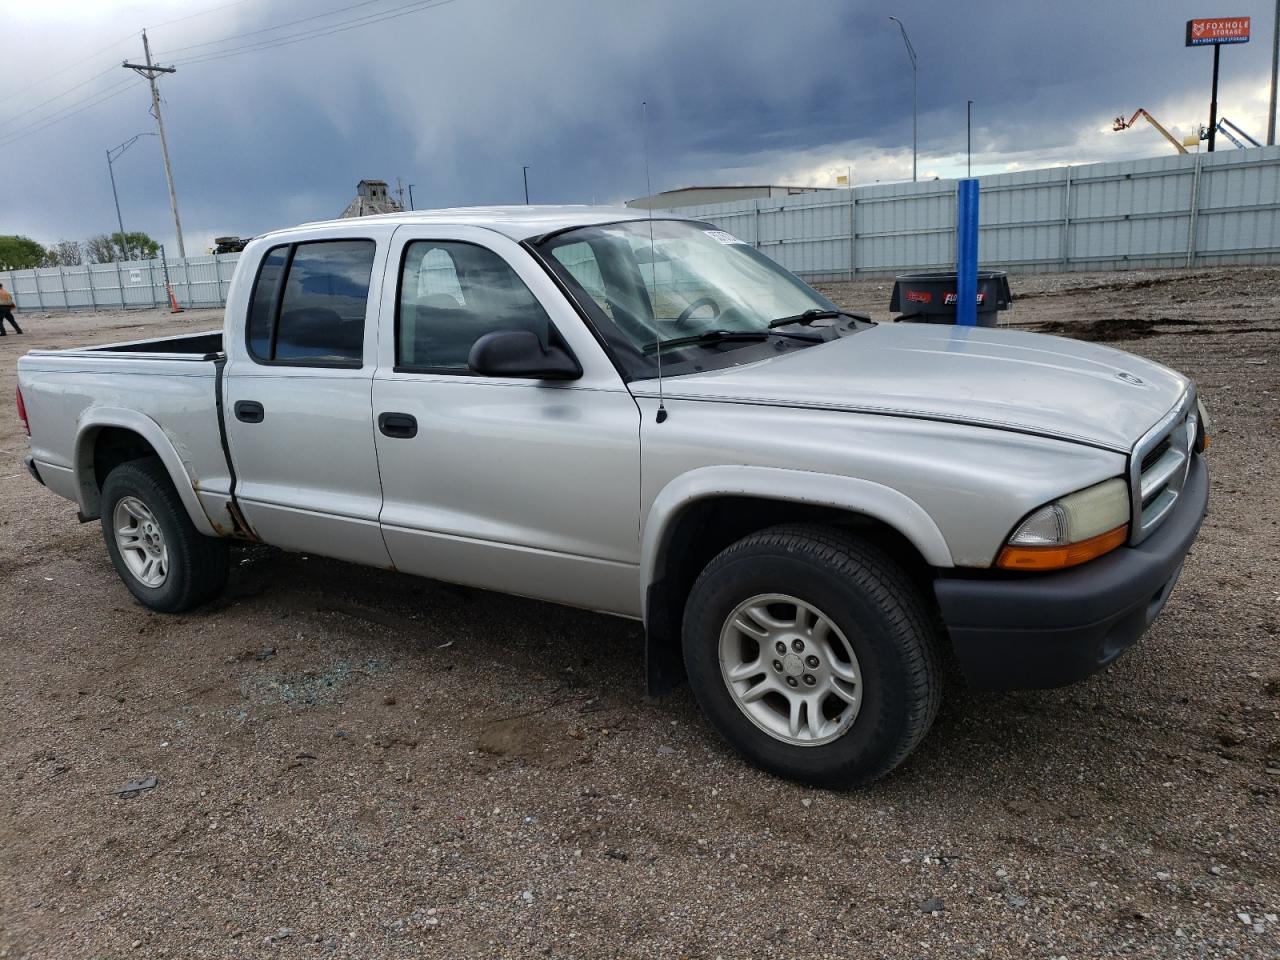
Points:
(402, 426)
(250, 411)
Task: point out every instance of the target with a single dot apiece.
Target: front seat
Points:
(441, 334)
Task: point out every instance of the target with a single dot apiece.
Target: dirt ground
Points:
(355, 763)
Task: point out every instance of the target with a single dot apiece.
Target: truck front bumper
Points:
(1029, 632)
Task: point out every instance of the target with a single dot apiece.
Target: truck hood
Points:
(1004, 379)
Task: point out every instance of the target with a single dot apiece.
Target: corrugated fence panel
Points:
(1211, 208)
(137, 284)
(1098, 216)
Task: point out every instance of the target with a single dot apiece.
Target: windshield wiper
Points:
(708, 337)
(806, 318)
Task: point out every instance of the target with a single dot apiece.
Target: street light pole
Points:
(525, 171)
(118, 152)
(915, 86)
(124, 245)
(1213, 99)
(1275, 68)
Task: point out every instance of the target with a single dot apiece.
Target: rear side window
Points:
(265, 289)
(309, 304)
(452, 294)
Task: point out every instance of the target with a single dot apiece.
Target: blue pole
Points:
(967, 253)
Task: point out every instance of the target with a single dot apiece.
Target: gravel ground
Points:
(355, 763)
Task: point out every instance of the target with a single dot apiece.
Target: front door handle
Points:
(250, 411)
(402, 426)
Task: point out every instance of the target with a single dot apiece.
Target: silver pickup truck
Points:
(816, 517)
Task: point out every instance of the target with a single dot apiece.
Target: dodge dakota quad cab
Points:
(814, 516)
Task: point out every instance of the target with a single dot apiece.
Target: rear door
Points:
(297, 394)
(519, 485)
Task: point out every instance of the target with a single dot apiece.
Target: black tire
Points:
(870, 599)
(198, 565)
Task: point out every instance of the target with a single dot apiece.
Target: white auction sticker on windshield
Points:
(721, 236)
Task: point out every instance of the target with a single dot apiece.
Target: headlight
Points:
(1071, 530)
(1202, 431)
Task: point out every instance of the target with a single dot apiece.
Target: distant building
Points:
(371, 198)
(692, 196)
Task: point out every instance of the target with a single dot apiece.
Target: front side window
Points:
(309, 303)
(451, 294)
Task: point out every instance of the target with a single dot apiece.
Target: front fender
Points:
(93, 420)
(798, 486)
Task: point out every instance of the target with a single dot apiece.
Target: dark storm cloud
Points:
(457, 98)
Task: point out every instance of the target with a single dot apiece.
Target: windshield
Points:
(652, 297)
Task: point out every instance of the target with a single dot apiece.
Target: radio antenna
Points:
(653, 260)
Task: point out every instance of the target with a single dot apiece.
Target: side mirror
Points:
(519, 353)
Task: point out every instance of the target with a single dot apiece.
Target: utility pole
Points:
(411, 206)
(911, 52)
(113, 155)
(151, 71)
(1275, 63)
(525, 170)
(400, 192)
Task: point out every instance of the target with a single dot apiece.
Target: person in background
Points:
(6, 311)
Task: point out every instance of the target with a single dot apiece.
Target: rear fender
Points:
(88, 493)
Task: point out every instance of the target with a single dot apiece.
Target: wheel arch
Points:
(700, 513)
(107, 437)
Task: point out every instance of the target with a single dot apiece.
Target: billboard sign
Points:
(1217, 30)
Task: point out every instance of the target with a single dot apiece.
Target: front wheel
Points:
(813, 654)
(164, 561)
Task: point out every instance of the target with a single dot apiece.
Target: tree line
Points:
(23, 253)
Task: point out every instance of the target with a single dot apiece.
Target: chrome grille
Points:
(1158, 467)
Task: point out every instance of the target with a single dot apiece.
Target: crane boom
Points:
(1232, 132)
(1122, 124)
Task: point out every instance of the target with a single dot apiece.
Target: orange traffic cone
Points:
(173, 302)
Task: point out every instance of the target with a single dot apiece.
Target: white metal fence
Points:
(1193, 210)
(197, 282)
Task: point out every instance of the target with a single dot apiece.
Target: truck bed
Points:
(164, 389)
(200, 346)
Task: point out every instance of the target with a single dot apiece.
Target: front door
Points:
(297, 397)
(519, 485)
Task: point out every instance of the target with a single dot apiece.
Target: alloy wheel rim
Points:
(790, 669)
(141, 542)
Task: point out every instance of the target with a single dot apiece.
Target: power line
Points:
(325, 30)
(319, 32)
(93, 56)
(71, 66)
(32, 109)
(66, 113)
(278, 26)
(200, 13)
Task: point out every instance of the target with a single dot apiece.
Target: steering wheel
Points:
(698, 304)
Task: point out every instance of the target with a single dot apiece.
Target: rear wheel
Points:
(813, 654)
(164, 561)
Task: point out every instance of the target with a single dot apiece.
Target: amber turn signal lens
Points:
(1059, 558)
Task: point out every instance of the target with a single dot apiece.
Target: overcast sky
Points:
(455, 98)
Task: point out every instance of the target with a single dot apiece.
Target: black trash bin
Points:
(931, 297)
